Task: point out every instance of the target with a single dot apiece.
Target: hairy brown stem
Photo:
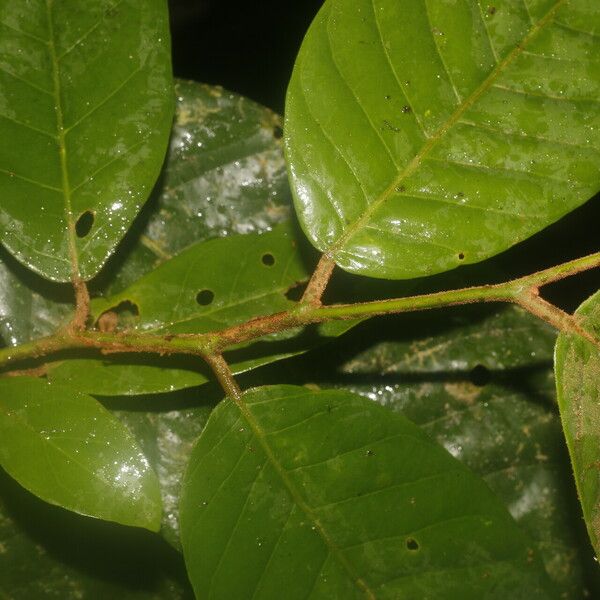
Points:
(523, 292)
(319, 280)
(82, 306)
(224, 375)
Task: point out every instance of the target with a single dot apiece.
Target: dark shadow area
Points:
(209, 394)
(133, 558)
(56, 292)
(247, 47)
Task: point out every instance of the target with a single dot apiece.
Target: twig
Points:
(523, 292)
(318, 282)
(224, 375)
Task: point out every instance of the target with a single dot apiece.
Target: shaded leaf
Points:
(208, 286)
(167, 438)
(84, 120)
(30, 308)
(422, 137)
(329, 495)
(577, 366)
(224, 174)
(64, 447)
(480, 383)
(46, 552)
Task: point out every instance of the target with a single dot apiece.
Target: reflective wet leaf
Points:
(64, 447)
(480, 383)
(208, 286)
(224, 174)
(577, 364)
(422, 136)
(85, 112)
(167, 438)
(30, 307)
(328, 495)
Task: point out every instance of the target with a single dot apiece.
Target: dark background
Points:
(247, 47)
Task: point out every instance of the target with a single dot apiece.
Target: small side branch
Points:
(224, 375)
(318, 282)
(559, 319)
(82, 306)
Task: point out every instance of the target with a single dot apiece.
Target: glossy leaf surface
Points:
(577, 366)
(327, 495)
(64, 447)
(421, 136)
(85, 113)
(30, 308)
(167, 438)
(480, 383)
(208, 286)
(224, 174)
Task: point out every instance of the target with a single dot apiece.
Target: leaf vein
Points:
(235, 527)
(33, 86)
(32, 181)
(387, 488)
(357, 101)
(89, 31)
(28, 126)
(24, 33)
(544, 96)
(393, 70)
(443, 129)
(527, 135)
(112, 94)
(490, 169)
(439, 52)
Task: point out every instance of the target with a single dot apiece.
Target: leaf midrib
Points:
(334, 550)
(62, 147)
(431, 142)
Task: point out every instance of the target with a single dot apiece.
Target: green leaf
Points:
(328, 495)
(84, 120)
(30, 307)
(224, 174)
(64, 447)
(228, 177)
(425, 136)
(480, 383)
(167, 438)
(46, 552)
(577, 367)
(208, 286)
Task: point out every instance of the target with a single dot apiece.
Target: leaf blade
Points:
(287, 474)
(480, 383)
(576, 364)
(88, 454)
(92, 127)
(389, 150)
